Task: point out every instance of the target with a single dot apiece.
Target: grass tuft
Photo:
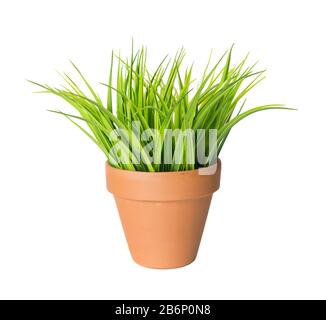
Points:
(167, 98)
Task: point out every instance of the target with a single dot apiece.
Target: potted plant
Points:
(162, 134)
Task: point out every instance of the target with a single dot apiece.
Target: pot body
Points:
(163, 214)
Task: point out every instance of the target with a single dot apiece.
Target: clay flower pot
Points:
(163, 214)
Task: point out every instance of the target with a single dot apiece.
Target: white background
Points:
(60, 235)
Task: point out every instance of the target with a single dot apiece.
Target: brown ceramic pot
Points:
(163, 214)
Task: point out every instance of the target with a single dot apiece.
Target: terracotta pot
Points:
(163, 214)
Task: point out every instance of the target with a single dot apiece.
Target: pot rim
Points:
(163, 186)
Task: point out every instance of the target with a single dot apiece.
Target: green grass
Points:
(166, 98)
